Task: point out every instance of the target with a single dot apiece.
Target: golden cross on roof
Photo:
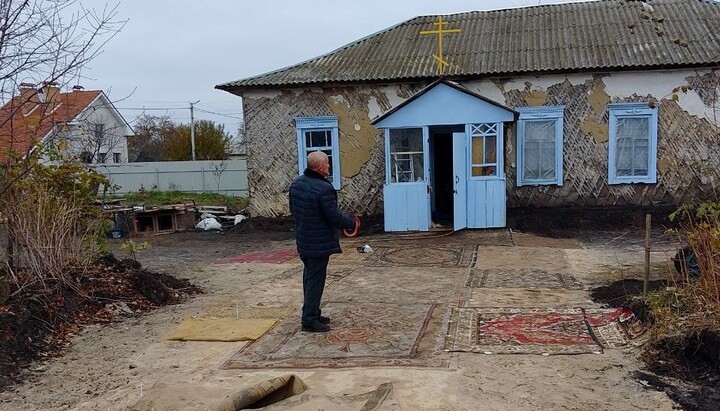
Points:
(440, 31)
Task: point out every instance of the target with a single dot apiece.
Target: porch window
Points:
(484, 155)
(540, 146)
(406, 155)
(319, 134)
(633, 144)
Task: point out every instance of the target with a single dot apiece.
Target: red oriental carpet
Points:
(520, 331)
(615, 327)
(268, 256)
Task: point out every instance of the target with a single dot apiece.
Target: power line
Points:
(151, 108)
(218, 114)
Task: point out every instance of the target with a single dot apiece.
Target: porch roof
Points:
(454, 114)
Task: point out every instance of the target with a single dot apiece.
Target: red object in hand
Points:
(354, 233)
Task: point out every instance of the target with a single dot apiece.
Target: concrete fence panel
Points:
(227, 177)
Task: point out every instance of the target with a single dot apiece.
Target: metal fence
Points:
(227, 177)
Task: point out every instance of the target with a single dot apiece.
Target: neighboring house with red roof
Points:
(562, 105)
(84, 123)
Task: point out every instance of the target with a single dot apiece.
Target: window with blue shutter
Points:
(319, 134)
(632, 144)
(540, 146)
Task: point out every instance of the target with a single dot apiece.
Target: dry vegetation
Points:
(51, 224)
(691, 303)
(685, 316)
(57, 274)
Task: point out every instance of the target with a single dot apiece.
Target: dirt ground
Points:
(129, 365)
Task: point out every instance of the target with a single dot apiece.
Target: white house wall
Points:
(115, 128)
(79, 134)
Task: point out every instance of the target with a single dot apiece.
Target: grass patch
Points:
(156, 198)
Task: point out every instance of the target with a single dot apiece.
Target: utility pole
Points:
(192, 129)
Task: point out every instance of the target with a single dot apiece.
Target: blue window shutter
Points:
(645, 120)
(529, 116)
(336, 157)
(302, 158)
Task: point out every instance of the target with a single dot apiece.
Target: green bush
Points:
(51, 220)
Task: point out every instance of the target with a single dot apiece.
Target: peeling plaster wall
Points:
(688, 149)
(272, 142)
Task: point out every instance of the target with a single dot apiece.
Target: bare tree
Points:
(46, 42)
(49, 41)
(150, 138)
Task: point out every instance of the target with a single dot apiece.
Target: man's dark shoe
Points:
(316, 328)
(324, 320)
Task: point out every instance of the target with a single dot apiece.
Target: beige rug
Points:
(228, 320)
(221, 329)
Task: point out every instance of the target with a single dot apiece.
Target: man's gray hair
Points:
(315, 158)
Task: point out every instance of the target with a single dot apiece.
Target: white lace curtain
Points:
(539, 150)
(631, 146)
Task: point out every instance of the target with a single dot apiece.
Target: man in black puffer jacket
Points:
(313, 204)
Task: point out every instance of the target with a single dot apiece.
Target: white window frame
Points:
(493, 130)
(392, 163)
(632, 110)
(530, 114)
(319, 123)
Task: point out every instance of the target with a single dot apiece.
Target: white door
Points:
(460, 181)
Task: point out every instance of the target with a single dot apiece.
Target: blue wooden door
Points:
(406, 194)
(486, 185)
(460, 167)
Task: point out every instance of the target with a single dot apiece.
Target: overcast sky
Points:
(172, 52)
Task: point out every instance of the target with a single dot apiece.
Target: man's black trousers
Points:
(314, 275)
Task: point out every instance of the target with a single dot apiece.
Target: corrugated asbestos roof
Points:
(608, 34)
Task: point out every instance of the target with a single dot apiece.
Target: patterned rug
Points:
(424, 256)
(616, 327)
(521, 278)
(485, 237)
(413, 284)
(265, 256)
(362, 335)
(519, 331)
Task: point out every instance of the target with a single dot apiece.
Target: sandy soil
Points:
(112, 367)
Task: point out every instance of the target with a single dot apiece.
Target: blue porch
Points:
(444, 160)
